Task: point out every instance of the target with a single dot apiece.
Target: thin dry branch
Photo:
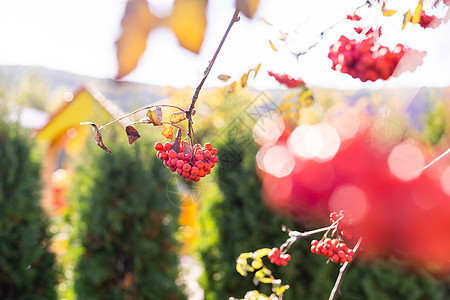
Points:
(342, 271)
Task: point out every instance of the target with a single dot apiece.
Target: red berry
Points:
(186, 167)
(167, 146)
(159, 146)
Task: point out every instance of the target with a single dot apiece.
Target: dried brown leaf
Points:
(168, 132)
(247, 7)
(155, 115)
(137, 23)
(187, 149)
(132, 134)
(188, 22)
(177, 117)
(98, 136)
(224, 77)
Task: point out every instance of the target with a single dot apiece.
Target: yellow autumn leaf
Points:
(416, 17)
(244, 79)
(387, 12)
(247, 7)
(177, 117)
(232, 87)
(224, 77)
(272, 46)
(406, 19)
(257, 70)
(188, 22)
(137, 23)
(168, 132)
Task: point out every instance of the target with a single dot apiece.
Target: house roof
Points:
(86, 104)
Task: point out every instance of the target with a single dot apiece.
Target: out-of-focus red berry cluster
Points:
(427, 21)
(278, 258)
(336, 251)
(367, 59)
(287, 80)
(191, 166)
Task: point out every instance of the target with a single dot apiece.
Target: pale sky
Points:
(78, 36)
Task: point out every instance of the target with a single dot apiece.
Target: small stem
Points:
(343, 269)
(123, 117)
(168, 105)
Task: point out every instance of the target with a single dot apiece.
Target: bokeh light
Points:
(320, 141)
(406, 161)
(275, 160)
(268, 129)
(345, 119)
(352, 199)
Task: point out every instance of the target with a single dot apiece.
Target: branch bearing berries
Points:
(193, 164)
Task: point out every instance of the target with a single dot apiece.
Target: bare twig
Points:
(190, 110)
(320, 35)
(342, 272)
(436, 159)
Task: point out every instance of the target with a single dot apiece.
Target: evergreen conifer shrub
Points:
(125, 226)
(27, 267)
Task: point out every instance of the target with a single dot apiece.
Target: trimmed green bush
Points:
(125, 225)
(27, 267)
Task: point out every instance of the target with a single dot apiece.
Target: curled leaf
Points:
(176, 144)
(98, 136)
(387, 12)
(406, 19)
(155, 115)
(168, 132)
(177, 117)
(247, 7)
(137, 23)
(132, 134)
(257, 70)
(224, 77)
(244, 79)
(188, 22)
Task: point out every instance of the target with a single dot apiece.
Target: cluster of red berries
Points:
(278, 258)
(336, 251)
(287, 80)
(343, 224)
(367, 59)
(427, 21)
(191, 163)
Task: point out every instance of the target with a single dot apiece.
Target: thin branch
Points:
(190, 110)
(320, 35)
(436, 159)
(342, 271)
(123, 117)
